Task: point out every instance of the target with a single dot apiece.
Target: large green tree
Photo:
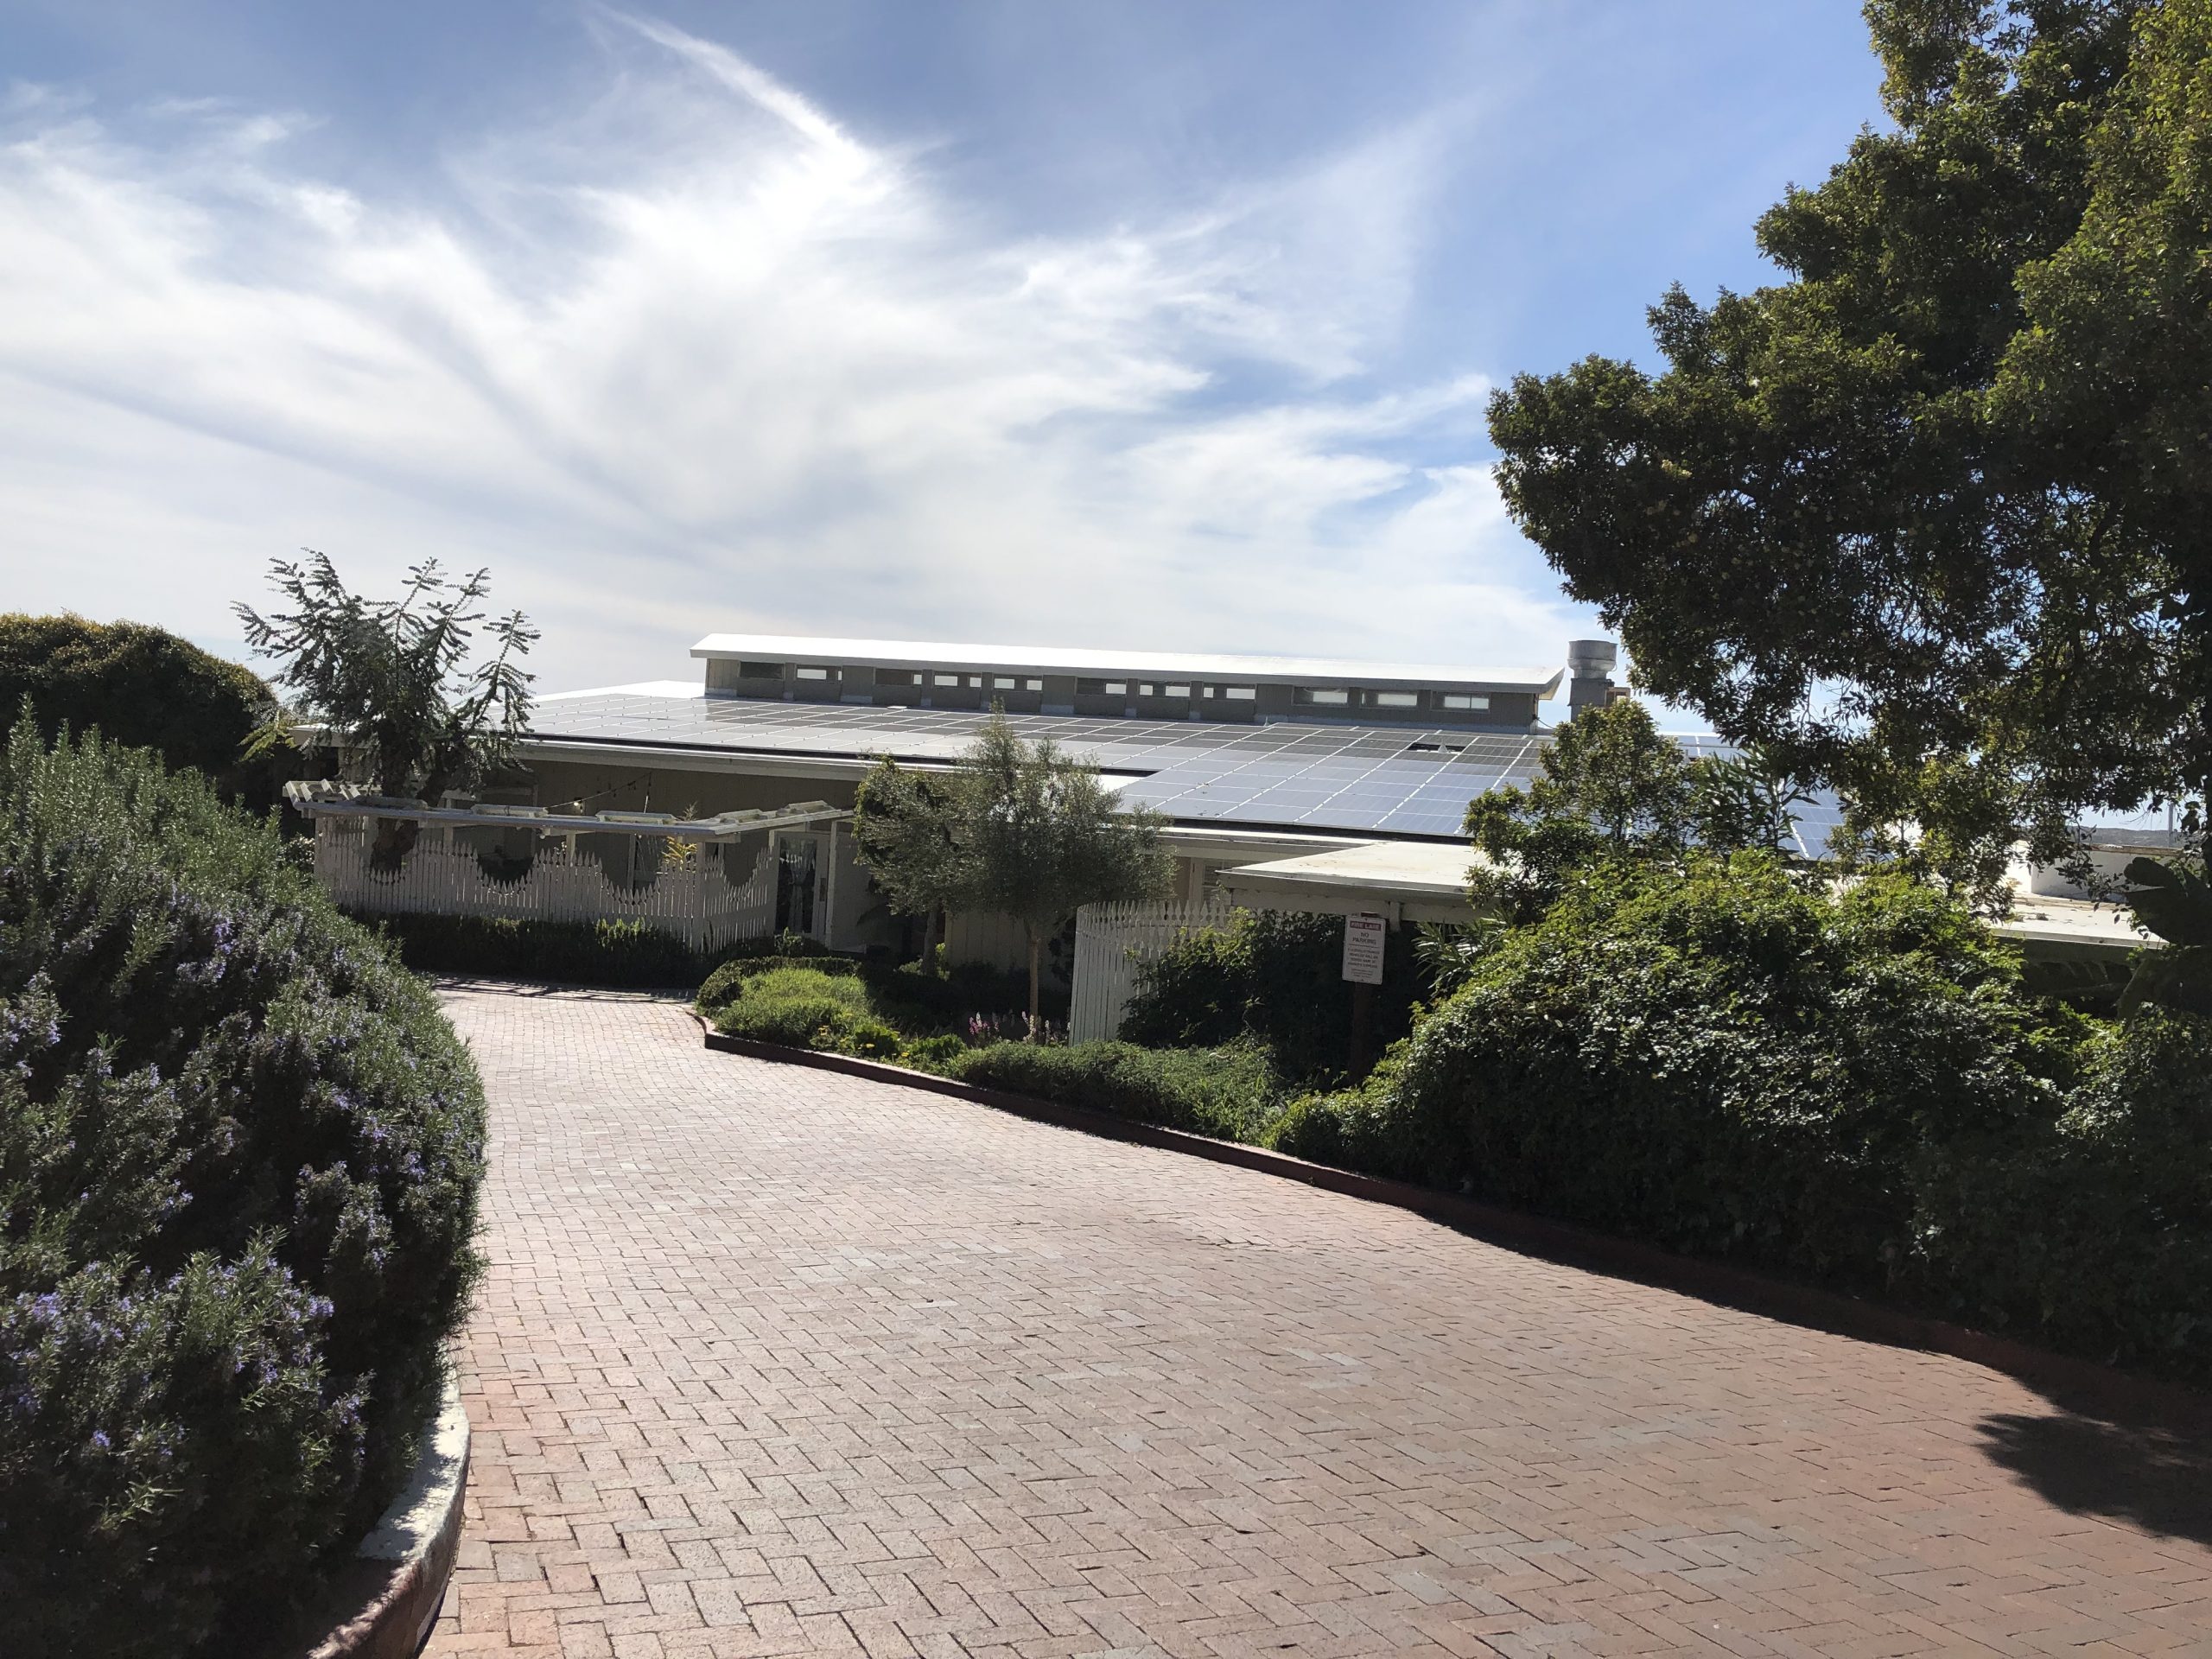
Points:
(1930, 517)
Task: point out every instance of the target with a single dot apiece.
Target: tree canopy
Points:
(1930, 517)
(906, 831)
(1019, 830)
(386, 686)
(1613, 787)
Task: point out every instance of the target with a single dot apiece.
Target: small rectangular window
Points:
(1240, 693)
(1395, 699)
(1005, 683)
(1331, 697)
(1176, 691)
(1462, 700)
(944, 679)
(817, 673)
(760, 670)
(1032, 685)
(1147, 689)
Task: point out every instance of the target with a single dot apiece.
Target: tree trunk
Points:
(395, 839)
(931, 932)
(1036, 953)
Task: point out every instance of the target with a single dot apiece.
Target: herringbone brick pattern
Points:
(773, 1361)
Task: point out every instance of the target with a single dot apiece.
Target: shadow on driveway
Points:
(2156, 1476)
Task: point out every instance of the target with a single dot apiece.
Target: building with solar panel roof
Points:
(1286, 783)
(1249, 757)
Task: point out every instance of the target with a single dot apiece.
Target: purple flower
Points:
(99, 1438)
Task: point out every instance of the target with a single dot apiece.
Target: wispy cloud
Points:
(696, 356)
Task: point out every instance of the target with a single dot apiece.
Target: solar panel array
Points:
(1362, 779)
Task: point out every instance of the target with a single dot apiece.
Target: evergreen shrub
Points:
(1729, 1062)
(1229, 1093)
(142, 687)
(1275, 977)
(611, 952)
(240, 1151)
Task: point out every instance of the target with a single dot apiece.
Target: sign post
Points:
(1365, 938)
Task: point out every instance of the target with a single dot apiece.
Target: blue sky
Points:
(1115, 323)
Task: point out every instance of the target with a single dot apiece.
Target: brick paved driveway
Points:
(772, 1361)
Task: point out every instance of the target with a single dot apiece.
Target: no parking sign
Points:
(1363, 937)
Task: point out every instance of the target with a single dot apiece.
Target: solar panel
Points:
(1396, 780)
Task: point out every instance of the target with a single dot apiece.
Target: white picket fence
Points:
(1113, 943)
(699, 904)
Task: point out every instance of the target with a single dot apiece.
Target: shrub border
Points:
(386, 1600)
(2070, 1382)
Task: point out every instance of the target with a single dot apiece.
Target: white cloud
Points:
(697, 357)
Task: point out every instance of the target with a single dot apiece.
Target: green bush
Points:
(1276, 977)
(936, 1053)
(1365, 1129)
(800, 1006)
(141, 687)
(727, 983)
(2091, 1231)
(1230, 1093)
(793, 1021)
(1727, 1063)
(618, 953)
(240, 1157)
(916, 999)
(871, 1040)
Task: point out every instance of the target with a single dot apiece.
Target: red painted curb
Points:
(2077, 1383)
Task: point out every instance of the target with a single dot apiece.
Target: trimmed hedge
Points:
(143, 687)
(240, 1150)
(1228, 1093)
(1729, 1063)
(612, 953)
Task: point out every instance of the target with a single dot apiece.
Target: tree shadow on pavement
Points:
(2158, 1476)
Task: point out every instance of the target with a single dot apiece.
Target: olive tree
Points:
(1017, 829)
(907, 832)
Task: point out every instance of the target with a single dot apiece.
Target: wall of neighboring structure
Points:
(1143, 696)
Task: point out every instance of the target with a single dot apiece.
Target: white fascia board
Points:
(748, 762)
(683, 690)
(1042, 659)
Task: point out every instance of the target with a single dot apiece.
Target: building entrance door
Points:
(795, 859)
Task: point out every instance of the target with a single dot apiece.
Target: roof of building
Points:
(317, 798)
(1050, 659)
(1427, 881)
(1409, 880)
(1380, 781)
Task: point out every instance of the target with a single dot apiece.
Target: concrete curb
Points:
(385, 1600)
(2078, 1385)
